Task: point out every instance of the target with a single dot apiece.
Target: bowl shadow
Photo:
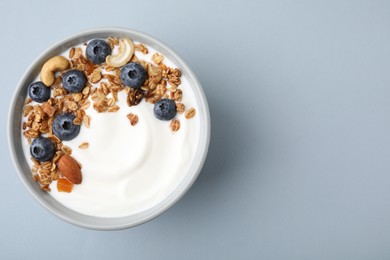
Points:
(231, 135)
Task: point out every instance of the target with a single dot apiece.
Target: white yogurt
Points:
(128, 169)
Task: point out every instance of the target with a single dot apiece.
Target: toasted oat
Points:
(48, 109)
(35, 126)
(35, 177)
(141, 48)
(71, 53)
(157, 58)
(112, 42)
(98, 96)
(77, 97)
(113, 108)
(84, 104)
(113, 79)
(66, 150)
(80, 113)
(78, 54)
(44, 128)
(84, 145)
(55, 139)
(87, 121)
(175, 125)
(190, 113)
(114, 94)
(28, 101)
(154, 99)
(111, 102)
(46, 187)
(134, 58)
(155, 74)
(77, 121)
(71, 105)
(86, 90)
(55, 175)
(101, 106)
(46, 165)
(180, 108)
(105, 89)
(57, 92)
(53, 167)
(175, 72)
(177, 95)
(96, 76)
(109, 68)
(31, 133)
(174, 81)
(27, 110)
(133, 119)
(57, 156)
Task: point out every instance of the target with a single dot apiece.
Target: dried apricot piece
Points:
(63, 185)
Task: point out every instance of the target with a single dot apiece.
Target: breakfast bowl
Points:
(131, 171)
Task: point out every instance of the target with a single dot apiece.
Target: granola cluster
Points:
(100, 92)
(39, 122)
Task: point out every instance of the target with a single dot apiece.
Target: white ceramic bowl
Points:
(15, 145)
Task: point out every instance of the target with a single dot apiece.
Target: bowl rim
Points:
(169, 200)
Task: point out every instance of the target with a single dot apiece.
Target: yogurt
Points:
(129, 169)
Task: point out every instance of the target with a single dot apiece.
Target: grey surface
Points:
(299, 163)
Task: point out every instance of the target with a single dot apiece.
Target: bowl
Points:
(48, 202)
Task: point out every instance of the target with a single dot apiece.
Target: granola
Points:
(190, 113)
(133, 119)
(101, 91)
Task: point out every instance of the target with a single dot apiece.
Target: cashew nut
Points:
(125, 52)
(57, 63)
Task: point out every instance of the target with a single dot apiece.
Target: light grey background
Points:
(298, 168)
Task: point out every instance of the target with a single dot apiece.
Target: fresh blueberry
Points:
(165, 109)
(74, 81)
(42, 149)
(39, 92)
(133, 75)
(97, 51)
(64, 128)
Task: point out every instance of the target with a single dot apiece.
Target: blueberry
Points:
(64, 128)
(165, 109)
(97, 51)
(74, 81)
(42, 149)
(133, 75)
(39, 92)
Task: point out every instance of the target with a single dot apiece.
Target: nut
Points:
(125, 52)
(70, 169)
(57, 63)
